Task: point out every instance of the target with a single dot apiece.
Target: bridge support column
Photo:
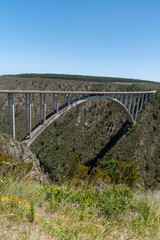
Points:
(146, 97)
(44, 109)
(134, 104)
(79, 96)
(142, 101)
(130, 102)
(26, 114)
(13, 117)
(40, 107)
(64, 99)
(30, 124)
(122, 98)
(137, 106)
(53, 100)
(69, 99)
(116, 96)
(9, 112)
(126, 100)
(57, 107)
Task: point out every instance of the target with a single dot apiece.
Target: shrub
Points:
(110, 201)
(96, 175)
(4, 158)
(115, 200)
(82, 172)
(32, 212)
(72, 169)
(126, 173)
(14, 204)
(14, 167)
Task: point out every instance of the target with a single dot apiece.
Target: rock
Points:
(22, 152)
(86, 124)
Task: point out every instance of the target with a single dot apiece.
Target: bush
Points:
(72, 169)
(14, 204)
(96, 175)
(115, 200)
(4, 158)
(110, 202)
(13, 167)
(126, 173)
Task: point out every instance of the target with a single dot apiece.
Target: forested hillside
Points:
(96, 131)
(80, 78)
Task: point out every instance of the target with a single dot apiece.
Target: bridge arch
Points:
(36, 131)
(130, 103)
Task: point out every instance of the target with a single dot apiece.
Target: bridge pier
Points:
(121, 98)
(9, 112)
(69, 99)
(134, 104)
(44, 109)
(30, 124)
(53, 101)
(126, 100)
(57, 105)
(146, 97)
(130, 102)
(142, 101)
(26, 115)
(64, 99)
(139, 95)
(40, 107)
(13, 117)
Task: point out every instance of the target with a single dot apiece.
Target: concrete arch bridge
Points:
(130, 102)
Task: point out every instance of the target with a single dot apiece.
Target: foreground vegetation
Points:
(64, 211)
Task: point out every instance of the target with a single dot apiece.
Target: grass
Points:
(81, 213)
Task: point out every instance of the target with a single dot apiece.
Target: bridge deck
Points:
(72, 92)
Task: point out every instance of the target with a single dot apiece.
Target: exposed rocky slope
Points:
(19, 161)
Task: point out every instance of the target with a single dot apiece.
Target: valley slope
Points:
(96, 131)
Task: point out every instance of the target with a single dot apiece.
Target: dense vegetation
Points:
(96, 131)
(105, 139)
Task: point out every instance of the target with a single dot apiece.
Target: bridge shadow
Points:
(114, 140)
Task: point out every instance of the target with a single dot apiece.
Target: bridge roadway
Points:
(130, 102)
(72, 92)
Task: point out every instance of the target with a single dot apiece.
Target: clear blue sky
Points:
(118, 38)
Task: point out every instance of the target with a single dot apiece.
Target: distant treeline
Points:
(80, 78)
